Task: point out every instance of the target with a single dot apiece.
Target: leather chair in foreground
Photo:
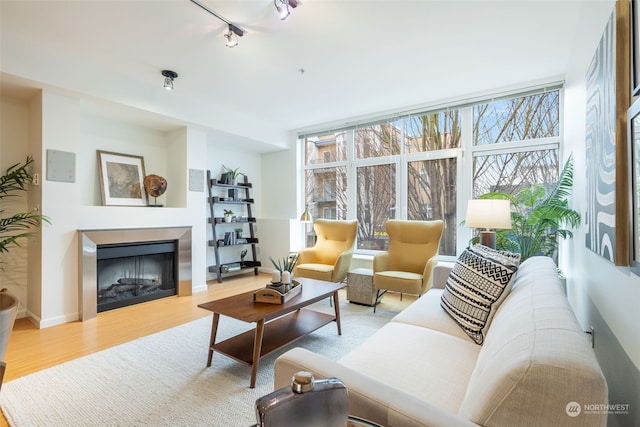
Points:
(407, 267)
(330, 257)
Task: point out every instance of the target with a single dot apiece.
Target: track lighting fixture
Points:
(168, 78)
(234, 31)
(232, 35)
(284, 7)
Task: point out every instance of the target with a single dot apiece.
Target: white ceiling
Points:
(359, 57)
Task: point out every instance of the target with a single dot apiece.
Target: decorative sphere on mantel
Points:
(155, 185)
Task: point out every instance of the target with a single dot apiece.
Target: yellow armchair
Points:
(330, 257)
(407, 267)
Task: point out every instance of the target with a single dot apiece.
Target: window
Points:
(376, 203)
(415, 167)
(378, 140)
(517, 119)
(326, 188)
(510, 172)
(430, 132)
(326, 148)
(528, 127)
(432, 194)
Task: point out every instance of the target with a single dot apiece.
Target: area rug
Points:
(162, 379)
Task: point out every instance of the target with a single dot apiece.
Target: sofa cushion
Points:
(478, 283)
(427, 364)
(427, 313)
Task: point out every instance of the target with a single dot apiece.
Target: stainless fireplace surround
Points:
(87, 264)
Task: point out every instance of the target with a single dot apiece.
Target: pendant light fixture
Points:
(306, 215)
(169, 76)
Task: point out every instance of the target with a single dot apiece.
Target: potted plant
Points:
(13, 229)
(538, 217)
(238, 233)
(284, 269)
(228, 215)
(230, 176)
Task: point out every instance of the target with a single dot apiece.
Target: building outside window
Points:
(425, 166)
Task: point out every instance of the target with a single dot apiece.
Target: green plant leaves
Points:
(17, 227)
(538, 217)
(286, 264)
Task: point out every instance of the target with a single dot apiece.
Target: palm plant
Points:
(18, 226)
(538, 217)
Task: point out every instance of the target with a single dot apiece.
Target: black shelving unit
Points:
(243, 202)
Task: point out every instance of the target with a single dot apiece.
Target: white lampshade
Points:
(486, 213)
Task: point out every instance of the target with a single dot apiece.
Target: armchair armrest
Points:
(381, 262)
(368, 398)
(427, 274)
(343, 262)
(440, 274)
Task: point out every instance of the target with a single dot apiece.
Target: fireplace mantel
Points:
(87, 264)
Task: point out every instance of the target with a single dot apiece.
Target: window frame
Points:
(464, 159)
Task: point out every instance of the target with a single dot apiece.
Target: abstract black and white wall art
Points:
(601, 147)
(608, 92)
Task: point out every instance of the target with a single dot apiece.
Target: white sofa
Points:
(536, 366)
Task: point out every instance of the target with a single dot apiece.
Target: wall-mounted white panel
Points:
(61, 166)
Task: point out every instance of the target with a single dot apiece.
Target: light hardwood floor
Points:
(31, 349)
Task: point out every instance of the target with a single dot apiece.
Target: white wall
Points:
(601, 294)
(280, 228)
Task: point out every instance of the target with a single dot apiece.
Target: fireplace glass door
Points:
(135, 272)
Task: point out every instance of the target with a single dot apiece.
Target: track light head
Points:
(168, 78)
(232, 35)
(232, 39)
(284, 7)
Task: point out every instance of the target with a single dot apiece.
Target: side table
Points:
(360, 288)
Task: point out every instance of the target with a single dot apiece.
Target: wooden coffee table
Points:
(276, 324)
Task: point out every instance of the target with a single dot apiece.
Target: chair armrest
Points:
(427, 274)
(440, 274)
(341, 267)
(381, 262)
(368, 398)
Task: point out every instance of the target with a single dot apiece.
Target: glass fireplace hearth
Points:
(132, 273)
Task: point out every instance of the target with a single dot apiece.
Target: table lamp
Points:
(488, 214)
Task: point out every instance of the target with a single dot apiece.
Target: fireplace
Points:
(121, 267)
(132, 273)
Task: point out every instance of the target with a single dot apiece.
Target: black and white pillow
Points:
(478, 283)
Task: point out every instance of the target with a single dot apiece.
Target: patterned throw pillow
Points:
(477, 285)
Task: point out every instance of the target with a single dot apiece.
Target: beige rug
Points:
(162, 380)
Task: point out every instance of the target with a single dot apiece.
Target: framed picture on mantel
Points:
(121, 179)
